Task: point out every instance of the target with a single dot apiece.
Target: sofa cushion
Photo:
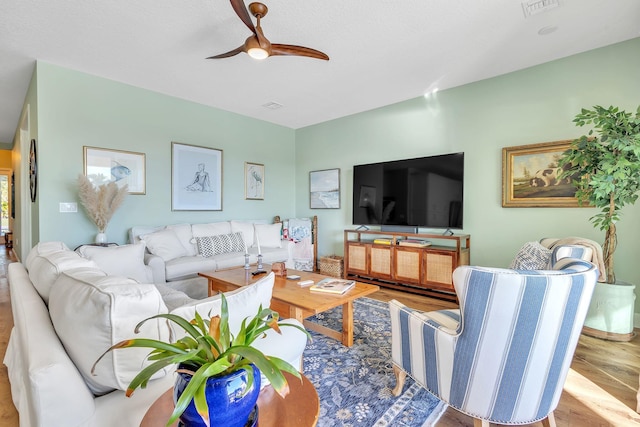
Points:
(243, 302)
(246, 228)
(211, 229)
(126, 260)
(174, 298)
(46, 267)
(45, 384)
(532, 256)
(140, 230)
(571, 251)
(92, 311)
(43, 248)
(164, 243)
(268, 235)
(188, 266)
(209, 246)
(184, 233)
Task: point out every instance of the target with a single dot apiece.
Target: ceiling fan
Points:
(257, 46)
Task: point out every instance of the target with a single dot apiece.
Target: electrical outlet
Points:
(68, 207)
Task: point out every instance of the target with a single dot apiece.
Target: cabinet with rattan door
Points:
(356, 258)
(384, 258)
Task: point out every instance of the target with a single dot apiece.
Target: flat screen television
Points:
(422, 192)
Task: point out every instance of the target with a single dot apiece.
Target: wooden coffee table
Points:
(291, 300)
(299, 409)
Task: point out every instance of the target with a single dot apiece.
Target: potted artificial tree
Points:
(607, 166)
(218, 375)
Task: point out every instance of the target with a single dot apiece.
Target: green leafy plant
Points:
(607, 165)
(213, 350)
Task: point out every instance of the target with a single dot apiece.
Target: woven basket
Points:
(331, 265)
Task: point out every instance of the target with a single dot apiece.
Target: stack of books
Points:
(416, 243)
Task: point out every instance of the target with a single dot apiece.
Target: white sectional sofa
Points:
(67, 311)
(179, 251)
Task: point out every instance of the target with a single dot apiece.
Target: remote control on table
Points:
(305, 283)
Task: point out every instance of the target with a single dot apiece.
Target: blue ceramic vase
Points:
(232, 402)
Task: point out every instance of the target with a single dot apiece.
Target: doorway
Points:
(5, 201)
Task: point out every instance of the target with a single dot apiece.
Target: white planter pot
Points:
(611, 311)
(101, 238)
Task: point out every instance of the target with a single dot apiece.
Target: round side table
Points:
(299, 409)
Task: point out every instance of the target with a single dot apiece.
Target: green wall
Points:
(76, 109)
(525, 107)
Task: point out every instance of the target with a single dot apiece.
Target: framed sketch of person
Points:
(196, 178)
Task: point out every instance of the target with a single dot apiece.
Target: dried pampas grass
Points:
(102, 201)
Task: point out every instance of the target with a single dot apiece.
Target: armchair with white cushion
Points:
(504, 356)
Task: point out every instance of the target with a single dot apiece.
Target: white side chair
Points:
(504, 356)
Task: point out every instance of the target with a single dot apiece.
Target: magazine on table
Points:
(333, 285)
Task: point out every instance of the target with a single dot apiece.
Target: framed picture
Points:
(530, 177)
(324, 189)
(196, 178)
(102, 165)
(253, 181)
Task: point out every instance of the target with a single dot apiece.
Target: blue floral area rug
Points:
(355, 383)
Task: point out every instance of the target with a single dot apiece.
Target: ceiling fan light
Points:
(257, 53)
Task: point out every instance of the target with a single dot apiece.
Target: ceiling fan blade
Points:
(243, 14)
(287, 49)
(231, 53)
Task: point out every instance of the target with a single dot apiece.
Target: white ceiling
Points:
(381, 52)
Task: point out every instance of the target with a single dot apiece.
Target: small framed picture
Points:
(102, 165)
(253, 181)
(324, 189)
(196, 178)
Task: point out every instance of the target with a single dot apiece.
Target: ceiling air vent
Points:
(272, 105)
(533, 7)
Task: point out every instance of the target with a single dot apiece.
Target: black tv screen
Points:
(422, 192)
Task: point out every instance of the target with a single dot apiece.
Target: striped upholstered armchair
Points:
(504, 356)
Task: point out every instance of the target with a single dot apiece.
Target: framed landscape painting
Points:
(324, 189)
(531, 176)
(196, 178)
(102, 165)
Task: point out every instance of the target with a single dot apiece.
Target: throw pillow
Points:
(532, 256)
(242, 303)
(126, 260)
(209, 246)
(211, 229)
(246, 228)
(184, 233)
(165, 244)
(269, 235)
(106, 310)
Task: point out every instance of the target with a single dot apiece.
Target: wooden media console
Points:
(424, 270)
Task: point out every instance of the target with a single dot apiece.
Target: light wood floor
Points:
(600, 390)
